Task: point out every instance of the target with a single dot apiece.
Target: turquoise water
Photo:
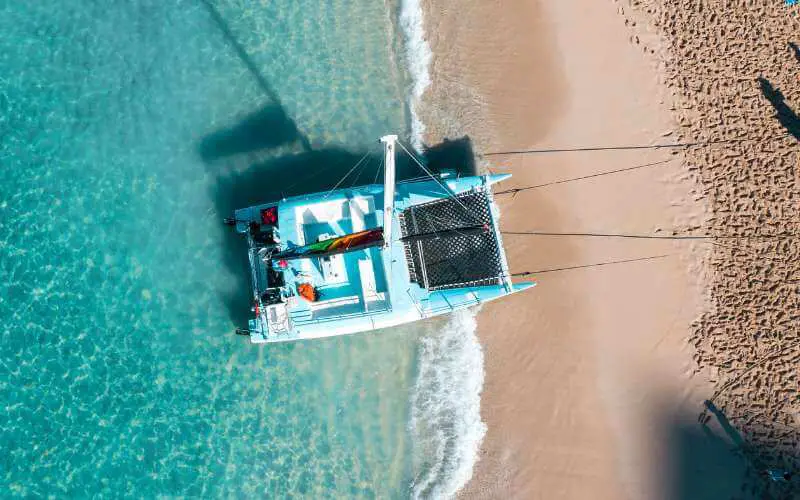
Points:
(127, 131)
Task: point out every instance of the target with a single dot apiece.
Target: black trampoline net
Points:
(452, 260)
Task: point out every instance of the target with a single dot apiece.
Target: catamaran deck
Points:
(380, 287)
(407, 251)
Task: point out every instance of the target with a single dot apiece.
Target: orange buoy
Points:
(308, 292)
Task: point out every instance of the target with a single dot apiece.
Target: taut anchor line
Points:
(655, 236)
(627, 147)
(514, 191)
(596, 264)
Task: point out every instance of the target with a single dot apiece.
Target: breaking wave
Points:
(445, 422)
(418, 58)
(445, 408)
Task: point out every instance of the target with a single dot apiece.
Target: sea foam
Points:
(445, 419)
(418, 59)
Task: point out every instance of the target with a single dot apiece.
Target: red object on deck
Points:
(308, 292)
(269, 216)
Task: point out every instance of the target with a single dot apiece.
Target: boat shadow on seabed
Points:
(265, 157)
(292, 174)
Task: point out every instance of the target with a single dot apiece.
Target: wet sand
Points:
(595, 378)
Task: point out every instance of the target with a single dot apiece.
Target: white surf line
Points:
(418, 59)
(445, 408)
(445, 402)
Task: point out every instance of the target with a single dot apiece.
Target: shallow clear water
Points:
(127, 131)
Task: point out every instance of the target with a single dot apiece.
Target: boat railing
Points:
(450, 307)
(415, 303)
(337, 317)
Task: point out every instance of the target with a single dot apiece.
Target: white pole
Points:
(389, 142)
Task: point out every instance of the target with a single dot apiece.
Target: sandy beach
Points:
(595, 379)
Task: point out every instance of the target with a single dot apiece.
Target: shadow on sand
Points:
(785, 115)
(711, 459)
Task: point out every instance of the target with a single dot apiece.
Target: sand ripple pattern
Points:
(725, 64)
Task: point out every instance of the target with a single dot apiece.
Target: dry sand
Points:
(592, 390)
(735, 72)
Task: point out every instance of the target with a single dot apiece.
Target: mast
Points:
(389, 142)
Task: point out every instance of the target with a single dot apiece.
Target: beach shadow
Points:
(795, 50)
(712, 459)
(723, 421)
(305, 173)
(701, 465)
(785, 115)
(267, 128)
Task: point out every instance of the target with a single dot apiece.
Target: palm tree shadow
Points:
(733, 434)
(785, 115)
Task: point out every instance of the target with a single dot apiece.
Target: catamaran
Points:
(374, 256)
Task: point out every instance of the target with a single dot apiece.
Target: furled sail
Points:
(346, 243)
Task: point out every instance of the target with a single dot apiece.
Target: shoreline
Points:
(579, 368)
(417, 55)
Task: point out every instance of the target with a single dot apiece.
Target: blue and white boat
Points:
(374, 256)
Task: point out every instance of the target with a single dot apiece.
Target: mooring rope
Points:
(514, 191)
(447, 190)
(623, 148)
(652, 236)
(597, 264)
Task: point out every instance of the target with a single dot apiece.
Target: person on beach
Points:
(779, 475)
